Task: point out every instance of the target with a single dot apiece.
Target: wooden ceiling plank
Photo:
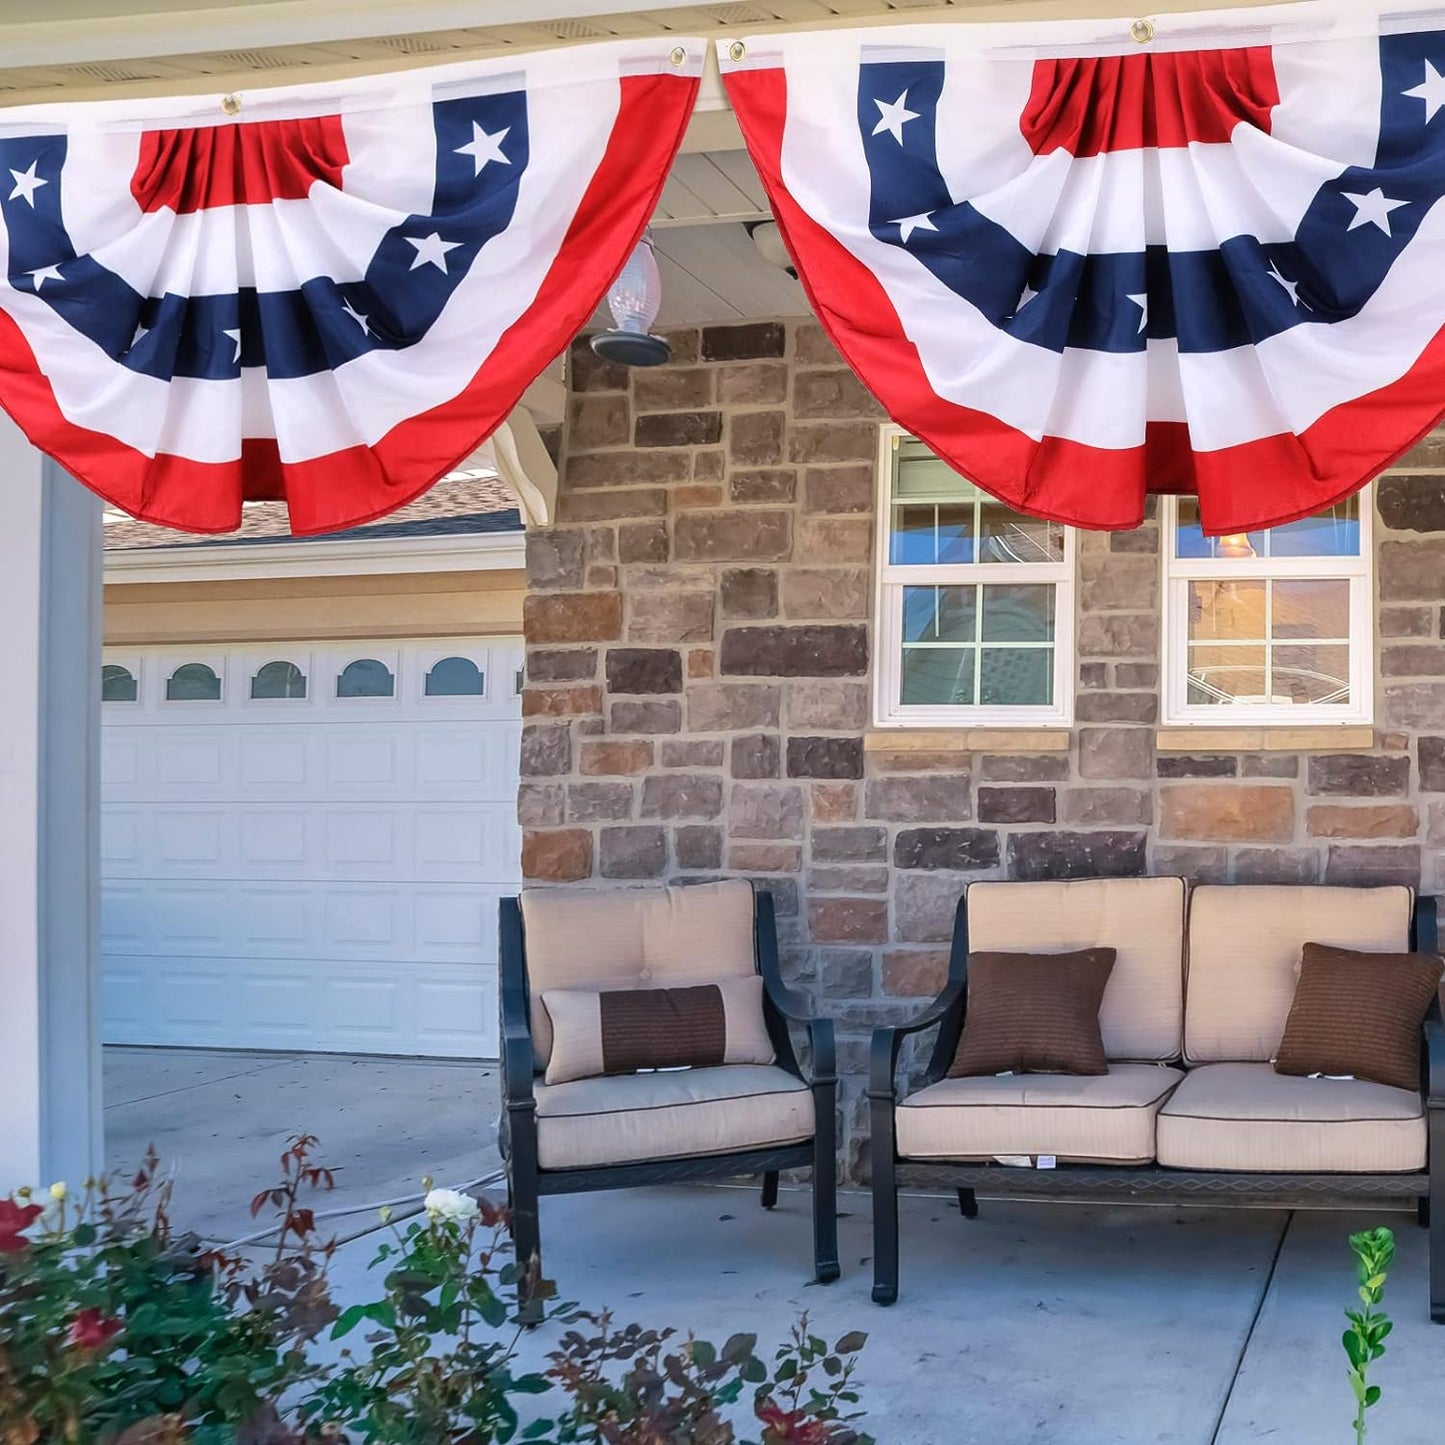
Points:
(711, 185)
(738, 167)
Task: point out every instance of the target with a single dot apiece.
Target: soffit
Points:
(112, 48)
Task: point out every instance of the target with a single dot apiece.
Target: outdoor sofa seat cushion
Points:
(1141, 919)
(1245, 1118)
(1245, 945)
(588, 938)
(672, 1114)
(1089, 1118)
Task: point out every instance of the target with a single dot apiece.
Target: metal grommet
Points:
(1142, 31)
(231, 104)
(679, 56)
(737, 50)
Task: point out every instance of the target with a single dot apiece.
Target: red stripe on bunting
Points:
(1129, 102)
(355, 486)
(1244, 488)
(238, 165)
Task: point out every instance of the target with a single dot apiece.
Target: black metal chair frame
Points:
(527, 1182)
(1152, 1183)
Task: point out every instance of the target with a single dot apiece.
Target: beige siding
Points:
(433, 604)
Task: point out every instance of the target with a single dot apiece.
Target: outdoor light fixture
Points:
(769, 240)
(634, 300)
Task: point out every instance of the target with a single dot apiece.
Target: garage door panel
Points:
(196, 759)
(276, 760)
(310, 873)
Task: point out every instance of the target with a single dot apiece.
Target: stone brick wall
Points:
(697, 692)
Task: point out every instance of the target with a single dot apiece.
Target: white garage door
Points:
(303, 848)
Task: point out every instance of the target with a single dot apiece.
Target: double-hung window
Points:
(1270, 626)
(975, 602)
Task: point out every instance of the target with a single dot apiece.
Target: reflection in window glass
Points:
(117, 684)
(366, 677)
(279, 680)
(1288, 642)
(193, 682)
(1332, 533)
(454, 677)
(938, 671)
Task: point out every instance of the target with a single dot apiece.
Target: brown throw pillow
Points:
(1359, 1013)
(619, 1031)
(1034, 1013)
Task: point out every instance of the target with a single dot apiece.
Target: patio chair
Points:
(618, 959)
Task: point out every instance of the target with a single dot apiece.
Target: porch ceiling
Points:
(110, 48)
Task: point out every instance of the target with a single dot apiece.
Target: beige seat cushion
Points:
(670, 1115)
(1244, 948)
(591, 938)
(1246, 1117)
(1141, 919)
(1098, 1118)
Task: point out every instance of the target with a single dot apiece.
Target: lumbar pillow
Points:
(1034, 1013)
(619, 1031)
(1359, 1014)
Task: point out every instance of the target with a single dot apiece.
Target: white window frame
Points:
(1179, 572)
(889, 580)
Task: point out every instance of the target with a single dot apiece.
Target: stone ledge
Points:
(967, 740)
(1327, 739)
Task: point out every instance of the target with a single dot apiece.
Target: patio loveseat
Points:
(1190, 1108)
(605, 1000)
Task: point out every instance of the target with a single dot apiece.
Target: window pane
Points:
(912, 543)
(937, 676)
(1228, 610)
(955, 533)
(279, 680)
(1312, 674)
(365, 678)
(1332, 533)
(454, 677)
(1016, 676)
(1024, 613)
(1335, 533)
(918, 474)
(1226, 675)
(1005, 536)
(117, 684)
(1309, 608)
(938, 614)
(193, 682)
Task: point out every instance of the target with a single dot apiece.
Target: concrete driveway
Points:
(1032, 1325)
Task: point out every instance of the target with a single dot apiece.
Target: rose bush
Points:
(116, 1330)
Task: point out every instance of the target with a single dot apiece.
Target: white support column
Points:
(50, 634)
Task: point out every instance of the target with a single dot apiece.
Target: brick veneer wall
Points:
(697, 691)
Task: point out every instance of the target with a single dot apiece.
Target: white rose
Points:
(450, 1204)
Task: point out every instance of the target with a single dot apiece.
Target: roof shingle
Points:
(454, 507)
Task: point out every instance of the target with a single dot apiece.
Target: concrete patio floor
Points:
(1032, 1325)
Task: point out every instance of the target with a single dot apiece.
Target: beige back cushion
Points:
(1142, 919)
(1244, 948)
(633, 938)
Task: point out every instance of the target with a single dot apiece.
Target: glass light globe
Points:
(634, 300)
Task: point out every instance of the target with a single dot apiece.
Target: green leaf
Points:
(1372, 1395)
(739, 1348)
(703, 1353)
(348, 1320)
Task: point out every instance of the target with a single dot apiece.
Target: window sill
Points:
(1336, 738)
(967, 740)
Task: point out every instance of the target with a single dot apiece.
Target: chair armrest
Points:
(888, 1042)
(517, 1066)
(1434, 1059)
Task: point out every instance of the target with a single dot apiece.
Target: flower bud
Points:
(385, 1213)
(57, 1190)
